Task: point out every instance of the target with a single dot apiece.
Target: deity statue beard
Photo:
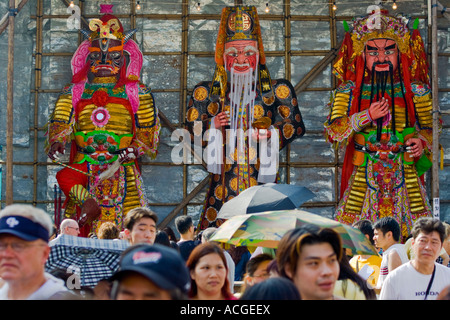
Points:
(379, 80)
(242, 97)
(242, 93)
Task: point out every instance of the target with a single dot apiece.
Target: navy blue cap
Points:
(160, 264)
(23, 228)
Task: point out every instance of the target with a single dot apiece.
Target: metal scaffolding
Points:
(190, 191)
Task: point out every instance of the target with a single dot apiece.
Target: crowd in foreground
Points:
(310, 263)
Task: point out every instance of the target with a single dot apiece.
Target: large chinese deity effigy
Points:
(241, 114)
(381, 111)
(107, 119)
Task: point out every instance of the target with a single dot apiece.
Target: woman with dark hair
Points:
(171, 234)
(240, 256)
(351, 285)
(208, 269)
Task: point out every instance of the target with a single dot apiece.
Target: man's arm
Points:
(394, 261)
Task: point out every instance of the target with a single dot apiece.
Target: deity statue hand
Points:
(90, 211)
(55, 149)
(221, 120)
(415, 147)
(261, 134)
(379, 109)
(129, 154)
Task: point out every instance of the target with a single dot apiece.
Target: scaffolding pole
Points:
(9, 104)
(432, 5)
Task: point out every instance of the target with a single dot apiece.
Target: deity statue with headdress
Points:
(108, 119)
(243, 117)
(381, 112)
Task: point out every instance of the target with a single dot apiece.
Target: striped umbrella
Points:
(266, 230)
(89, 260)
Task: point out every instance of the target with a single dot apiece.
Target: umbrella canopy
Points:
(91, 259)
(265, 197)
(266, 230)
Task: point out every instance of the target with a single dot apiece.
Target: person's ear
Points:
(248, 279)
(389, 234)
(46, 254)
(288, 271)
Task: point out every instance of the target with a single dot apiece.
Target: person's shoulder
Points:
(444, 269)
(396, 248)
(186, 243)
(354, 259)
(400, 270)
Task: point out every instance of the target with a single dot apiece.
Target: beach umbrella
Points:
(265, 197)
(266, 230)
(90, 259)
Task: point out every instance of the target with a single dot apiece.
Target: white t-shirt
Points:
(48, 290)
(384, 271)
(406, 283)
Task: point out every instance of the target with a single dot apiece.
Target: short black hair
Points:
(254, 262)
(427, 226)
(137, 214)
(183, 223)
(366, 227)
(387, 224)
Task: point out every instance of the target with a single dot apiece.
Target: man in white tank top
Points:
(387, 237)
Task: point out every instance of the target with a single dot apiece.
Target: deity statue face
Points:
(106, 57)
(242, 55)
(381, 53)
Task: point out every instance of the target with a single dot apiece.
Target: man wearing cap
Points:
(150, 272)
(24, 234)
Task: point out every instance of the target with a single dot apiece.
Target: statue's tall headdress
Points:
(239, 23)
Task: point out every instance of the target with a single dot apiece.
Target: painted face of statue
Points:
(381, 54)
(106, 57)
(242, 55)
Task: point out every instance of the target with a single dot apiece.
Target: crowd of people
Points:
(310, 262)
